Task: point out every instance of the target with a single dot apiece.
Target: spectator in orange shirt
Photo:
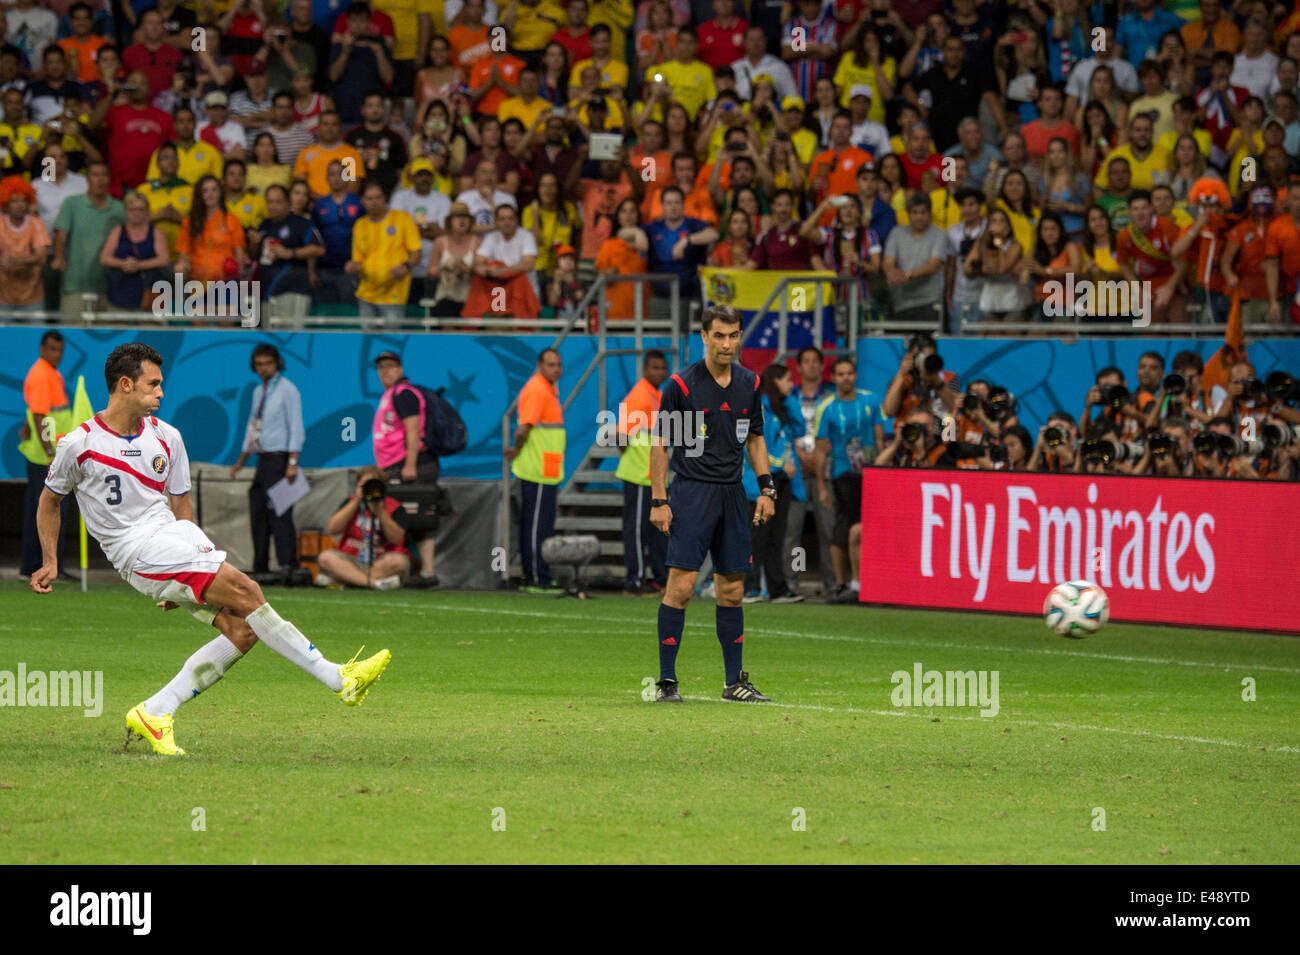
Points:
(468, 36)
(698, 204)
(834, 172)
(636, 419)
(601, 198)
(623, 253)
(1247, 239)
(24, 248)
(211, 240)
(1282, 259)
(83, 45)
(649, 157)
(735, 248)
(493, 80)
(1144, 250)
(314, 161)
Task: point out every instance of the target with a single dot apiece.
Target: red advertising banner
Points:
(1202, 552)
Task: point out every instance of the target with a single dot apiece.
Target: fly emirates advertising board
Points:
(1200, 552)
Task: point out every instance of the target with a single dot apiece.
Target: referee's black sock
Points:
(731, 634)
(671, 622)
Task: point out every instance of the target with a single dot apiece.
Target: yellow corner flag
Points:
(82, 411)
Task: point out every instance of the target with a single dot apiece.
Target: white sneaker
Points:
(388, 583)
(323, 579)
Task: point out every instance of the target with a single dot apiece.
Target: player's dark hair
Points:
(651, 355)
(767, 385)
(51, 336)
(126, 361)
(726, 314)
(267, 350)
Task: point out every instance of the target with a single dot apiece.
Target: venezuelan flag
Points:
(747, 290)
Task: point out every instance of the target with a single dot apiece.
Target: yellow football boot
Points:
(154, 730)
(359, 677)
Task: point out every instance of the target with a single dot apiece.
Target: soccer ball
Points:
(1076, 608)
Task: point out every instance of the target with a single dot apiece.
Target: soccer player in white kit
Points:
(131, 476)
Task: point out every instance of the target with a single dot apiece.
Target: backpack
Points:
(444, 430)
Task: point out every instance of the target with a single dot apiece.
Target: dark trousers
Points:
(32, 556)
(536, 523)
(641, 539)
(271, 466)
(768, 541)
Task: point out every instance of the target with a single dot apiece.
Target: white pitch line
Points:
(881, 641)
(1236, 744)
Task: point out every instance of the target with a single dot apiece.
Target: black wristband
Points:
(766, 481)
(658, 502)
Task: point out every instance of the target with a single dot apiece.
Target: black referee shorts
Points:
(847, 492)
(709, 519)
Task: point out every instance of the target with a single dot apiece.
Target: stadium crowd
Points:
(956, 158)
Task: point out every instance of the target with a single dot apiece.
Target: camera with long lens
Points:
(1002, 403)
(1054, 436)
(1231, 446)
(997, 453)
(1206, 444)
(1279, 435)
(1252, 388)
(933, 363)
(1174, 385)
(971, 404)
(1106, 451)
(1113, 396)
(1160, 444)
(1281, 386)
(912, 432)
(373, 490)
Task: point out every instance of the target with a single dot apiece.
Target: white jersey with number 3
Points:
(122, 482)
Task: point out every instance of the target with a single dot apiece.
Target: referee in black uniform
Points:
(710, 416)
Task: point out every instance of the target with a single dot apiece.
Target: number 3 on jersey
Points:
(114, 489)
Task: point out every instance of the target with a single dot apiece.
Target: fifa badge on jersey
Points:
(159, 464)
(704, 430)
(742, 429)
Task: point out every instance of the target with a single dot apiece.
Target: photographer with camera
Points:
(1111, 394)
(915, 444)
(1104, 451)
(1243, 400)
(371, 527)
(1221, 453)
(974, 417)
(1055, 449)
(1170, 449)
(1181, 395)
(921, 382)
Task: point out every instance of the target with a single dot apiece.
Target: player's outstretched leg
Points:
(672, 621)
(350, 681)
(152, 720)
(731, 635)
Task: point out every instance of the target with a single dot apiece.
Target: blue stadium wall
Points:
(208, 386)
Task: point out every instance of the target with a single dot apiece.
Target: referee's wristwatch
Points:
(658, 502)
(769, 492)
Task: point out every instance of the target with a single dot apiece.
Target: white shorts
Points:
(178, 564)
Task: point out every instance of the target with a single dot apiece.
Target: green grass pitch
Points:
(528, 712)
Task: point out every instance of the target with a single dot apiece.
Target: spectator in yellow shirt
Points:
(168, 194)
(618, 16)
(195, 158)
(247, 207)
(1147, 162)
(385, 251)
(689, 79)
(530, 24)
(528, 105)
(612, 72)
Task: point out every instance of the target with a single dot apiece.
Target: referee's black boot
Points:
(742, 691)
(667, 692)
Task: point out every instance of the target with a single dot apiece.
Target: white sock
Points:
(208, 665)
(285, 639)
(855, 585)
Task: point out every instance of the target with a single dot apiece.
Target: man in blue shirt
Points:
(286, 245)
(678, 244)
(847, 428)
(333, 216)
(711, 417)
(275, 434)
(1140, 30)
